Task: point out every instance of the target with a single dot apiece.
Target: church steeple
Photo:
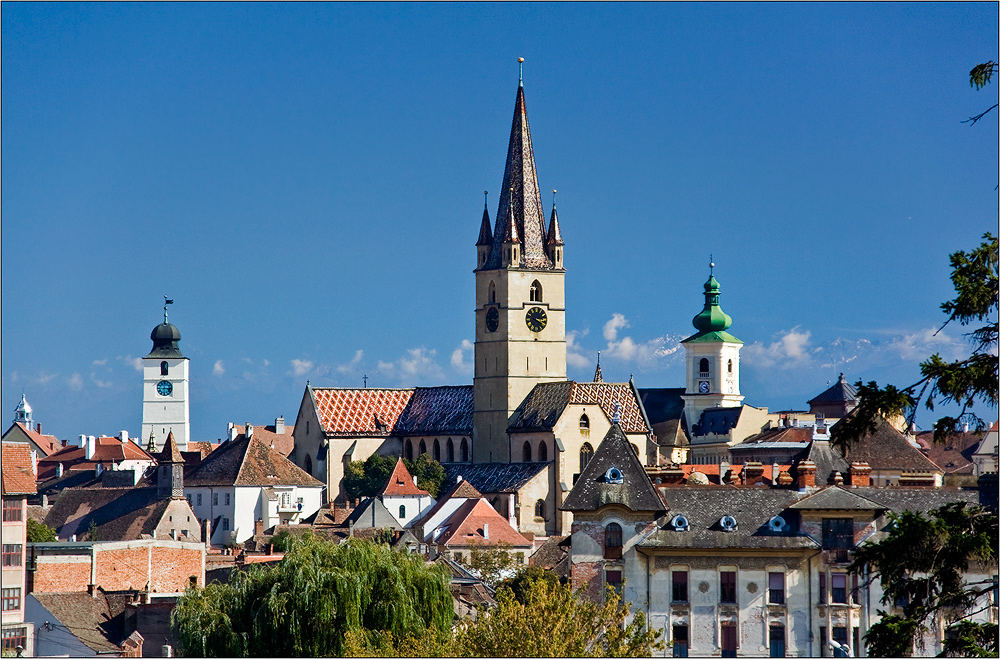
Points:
(520, 198)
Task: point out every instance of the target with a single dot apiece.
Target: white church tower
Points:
(165, 389)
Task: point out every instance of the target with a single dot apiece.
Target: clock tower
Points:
(520, 298)
(165, 389)
(712, 360)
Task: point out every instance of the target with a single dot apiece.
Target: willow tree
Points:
(320, 594)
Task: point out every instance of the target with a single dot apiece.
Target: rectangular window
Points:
(822, 587)
(838, 588)
(729, 638)
(680, 640)
(838, 533)
(776, 588)
(13, 638)
(225, 523)
(199, 498)
(776, 639)
(11, 555)
(215, 498)
(11, 599)
(840, 637)
(680, 586)
(12, 510)
(855, 592)
(227, 498)
(822, 643)
(614, 579)
(727, 587)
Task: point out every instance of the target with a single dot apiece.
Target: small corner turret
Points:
(485, 243)
(553, 240)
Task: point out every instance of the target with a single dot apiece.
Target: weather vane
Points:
(166, 301)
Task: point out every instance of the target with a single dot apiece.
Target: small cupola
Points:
(22, 414)
(712, 318)
(165, 338)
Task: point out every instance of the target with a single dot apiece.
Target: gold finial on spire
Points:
(486, 200)
(553, 199)
(520, 71)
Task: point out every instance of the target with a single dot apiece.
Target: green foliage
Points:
(492, 564)
(981, 74)
(553, 621)
(923, 561)
(430, 474)
(311, 602)
(281, 542)
(366, 479)
(520, 583)
(38, 532)
(964, 382)
(971, 639)
(92, 534)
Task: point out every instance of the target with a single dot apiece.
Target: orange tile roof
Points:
(712, 471)
(401, 483)
(18, 473)
(466, 527)
(360, 411)
(283, 443)
(107, 451)
(48, 443)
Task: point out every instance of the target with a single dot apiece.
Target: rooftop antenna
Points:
(166, 301)
(520, 72)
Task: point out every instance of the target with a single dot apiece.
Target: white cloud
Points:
(576, 356)
(129, 360)
(350, 366)
(100, 362)
(218, 368)
(45, 378)
(617, 322)
(790, 349)
(103, 384)
(416, 367)
(75, 382)
(921, 344)
(301, 366)
(458, 357)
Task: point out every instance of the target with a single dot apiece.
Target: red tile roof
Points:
(107, 451)
(48, 443)
(466, 527)
(401, 483)
(283, 443)
(360, 411)
(18, 474)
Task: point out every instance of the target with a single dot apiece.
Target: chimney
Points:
(123, 435)
(258, 527)
(248, 430)
(724, 472)
(89, 449)
(206, 533)
(774, 473)
(458, 479)
(38, 428)
(673, 475)
(45, 502)
(83, 441)
(807, 474)
(59, 470)
(486, 531)
(785, 479)
(836, 478)
(414, 480)
(231, 432)
(753, 473)
(279, 425)
(92, 590)
(860, 474)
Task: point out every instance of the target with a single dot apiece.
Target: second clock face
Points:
(535, 319)
(164, 388)
(492, 319)
(703, 387)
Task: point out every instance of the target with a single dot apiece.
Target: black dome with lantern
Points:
(165, 337)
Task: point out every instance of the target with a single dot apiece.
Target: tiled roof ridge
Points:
(401, 483)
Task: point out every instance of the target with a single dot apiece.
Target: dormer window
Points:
(584, 422)
(164, 368)
(614, 476)
(535, 292)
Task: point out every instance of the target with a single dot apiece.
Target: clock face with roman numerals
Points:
(535, 319)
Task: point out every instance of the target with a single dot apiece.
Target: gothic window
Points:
(584, 422)
(309, 465)
(613, 540)
(703, 368)
(437, 451)
(450, 455)
(164, 368)
(543, 452)
(586, 453)
(540, 509)
(730, 365)
(526, 457)
(535, 292)
(423, 447)
(465, 450)
(408, 451)
(492, 293)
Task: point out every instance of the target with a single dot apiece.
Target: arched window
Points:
(703, 368)
(309, 465)
(584, 422)
(526, 457)
(635, 449)
(543, 452)
(540, 509)
(465, 450)
(493, 293)
(402, 512)
(730, 365)
(423, 447)
(450, 454)
(612, 541)
(164, 367)
(535, 292)
(408, 451)
(586, 453)
(437, 451)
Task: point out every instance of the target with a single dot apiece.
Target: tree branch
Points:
(972, 120)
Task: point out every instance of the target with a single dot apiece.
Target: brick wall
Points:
(172, 568)
(60, 574)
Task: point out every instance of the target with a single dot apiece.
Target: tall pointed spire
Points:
(554, 237)
(598, 376)
(485, 234)
(520, 197)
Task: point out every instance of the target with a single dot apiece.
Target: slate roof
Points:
(372, 513)
(496, 477)
(18, 471)
(519, 197)
(400, 483)
(466, 527)
(89, 618)
(553, 555)
(119, 513)
(887, 448)
(718, 420)
(170, 453)
(283, 443)
(592, 489)
(836, 498)
(776, 435)
(247, 462)
(662, 404)
(545, 404)
(751, 506)
(841, 392)
(898, 499)
(385, 412)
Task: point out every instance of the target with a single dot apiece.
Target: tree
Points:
(553, 621)
(38, 532)
(492, 564)
(366, 479)
(319, 596)
(520, 583)
(923, 563)
(963, 382)
(979, 77)
(429, 472)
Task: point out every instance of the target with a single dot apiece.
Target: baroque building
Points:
(165, 384)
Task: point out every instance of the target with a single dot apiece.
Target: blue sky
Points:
(305, 180)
